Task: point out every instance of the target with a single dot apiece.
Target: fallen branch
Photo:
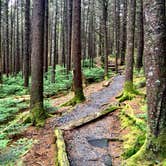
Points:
(62, 159)
(89, 118)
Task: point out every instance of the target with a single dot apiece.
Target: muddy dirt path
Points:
(97, 143)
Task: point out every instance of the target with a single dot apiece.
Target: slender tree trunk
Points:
(17, 65)
(54, 58)
(140, 37)
(46, 36)
(124, 33)
(76, 50)
(117, 32)
(7, 36)
(22, 34)
(36, 101)
(11, 42)
(1, 79)
(69, 32)
(105, 30)
(155, 64)
(130, 47)
(27, 43)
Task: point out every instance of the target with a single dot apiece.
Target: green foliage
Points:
(62, 82)
(78, 98)
(129, 92)
(10, 155)
(93, 74)
(136, 136)
(10, 150)
(49, 108)
(87, 63)
(12, 85)
(9, 107)
(137, 144)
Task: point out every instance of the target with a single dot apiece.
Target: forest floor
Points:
(96, 143)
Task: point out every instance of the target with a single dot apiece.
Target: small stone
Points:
(106, 83)
(107, 160)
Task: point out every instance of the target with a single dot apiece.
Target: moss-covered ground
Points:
(134, 128)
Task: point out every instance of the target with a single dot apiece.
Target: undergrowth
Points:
(14, 112)
(11, 155)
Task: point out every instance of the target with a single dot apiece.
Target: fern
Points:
(10, 155)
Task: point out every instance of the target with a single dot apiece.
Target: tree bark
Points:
(17, 61)
(36, 101)
(124, 33)
(27, 43)
(117, 32)
(140, 36)
(7, 36)
(155, 67)
(130, 46)
(76, 50)
(55, 54)
(1, 79)
(69, 32)
(46, 36)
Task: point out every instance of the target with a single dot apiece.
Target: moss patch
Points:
(61, 159)
(129, 92)
(78, 98)
(153, 152)
(38, 115)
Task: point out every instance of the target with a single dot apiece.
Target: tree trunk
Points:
(27, 43)
(54, 58)
(140, 37)
(117, 32)
(76, 50)
(46, 36)
(17, 61)
(105, 30)
(1, 79)
(69, 31)
(124, 33)
(22, 36)
(7, 36)
(155, 67)
(130, 47)
(36, 102)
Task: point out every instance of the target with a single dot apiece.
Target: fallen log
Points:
(89, 118)
(61, 158)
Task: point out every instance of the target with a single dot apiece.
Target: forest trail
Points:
(96, 143)
(94, 103)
